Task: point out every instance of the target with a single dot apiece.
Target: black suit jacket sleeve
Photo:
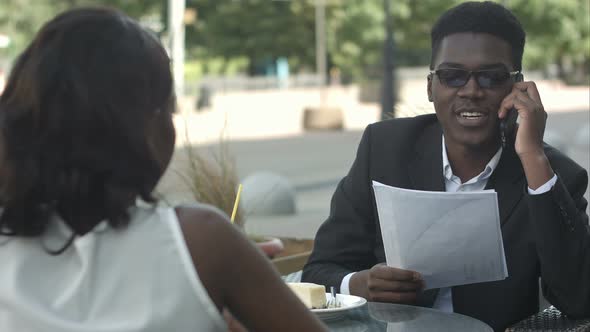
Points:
(562, 237)
(346, 240)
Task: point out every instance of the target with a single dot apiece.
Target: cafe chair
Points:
(550, 319)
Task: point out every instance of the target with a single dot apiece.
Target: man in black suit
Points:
(475, 80)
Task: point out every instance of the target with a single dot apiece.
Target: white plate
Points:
(348, 302)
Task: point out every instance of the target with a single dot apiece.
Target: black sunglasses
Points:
(488, 78)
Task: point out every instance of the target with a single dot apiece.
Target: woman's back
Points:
(86, 128)
(139, 278)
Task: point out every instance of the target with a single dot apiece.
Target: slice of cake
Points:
(312, 295)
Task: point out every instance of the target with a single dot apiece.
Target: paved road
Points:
(315, 162)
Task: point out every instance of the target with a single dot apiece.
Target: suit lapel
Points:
(508, 180)
(425, 169)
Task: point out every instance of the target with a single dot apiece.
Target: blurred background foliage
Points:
(226, 37)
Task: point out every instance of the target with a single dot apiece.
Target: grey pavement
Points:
(315, 162)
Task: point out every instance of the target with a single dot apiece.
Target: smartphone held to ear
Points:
(508, 124)
(507, 127)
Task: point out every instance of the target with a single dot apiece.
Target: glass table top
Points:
(375, 317)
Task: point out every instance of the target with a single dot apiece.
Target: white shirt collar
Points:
(485, 174)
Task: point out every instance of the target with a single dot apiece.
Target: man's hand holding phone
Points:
(525, 99)
(528, 144)
(383, 283)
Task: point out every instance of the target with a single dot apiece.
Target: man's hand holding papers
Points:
(384, 283)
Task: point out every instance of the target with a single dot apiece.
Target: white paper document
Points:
(450, 238)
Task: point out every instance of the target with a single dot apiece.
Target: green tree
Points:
(357, 33)
(21, 19)
(20, 24)
(258, 29)
(558, 32)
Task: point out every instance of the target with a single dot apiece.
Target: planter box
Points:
(295, 246)
(294, 256)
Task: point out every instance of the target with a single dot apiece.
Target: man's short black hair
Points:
(480, 17)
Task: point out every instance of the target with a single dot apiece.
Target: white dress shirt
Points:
(444, 300)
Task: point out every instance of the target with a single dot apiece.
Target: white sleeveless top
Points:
(139, 278)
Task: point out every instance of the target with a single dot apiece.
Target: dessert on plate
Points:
(312, 295)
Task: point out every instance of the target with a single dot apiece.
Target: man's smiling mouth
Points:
(471, 115)
(472, 118)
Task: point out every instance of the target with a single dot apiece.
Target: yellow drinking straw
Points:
(233, 214)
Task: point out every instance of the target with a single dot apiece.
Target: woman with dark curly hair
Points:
(86, 132)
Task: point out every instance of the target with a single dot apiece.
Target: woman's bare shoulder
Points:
(202, 223)
(199, 212)
(210, 238)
